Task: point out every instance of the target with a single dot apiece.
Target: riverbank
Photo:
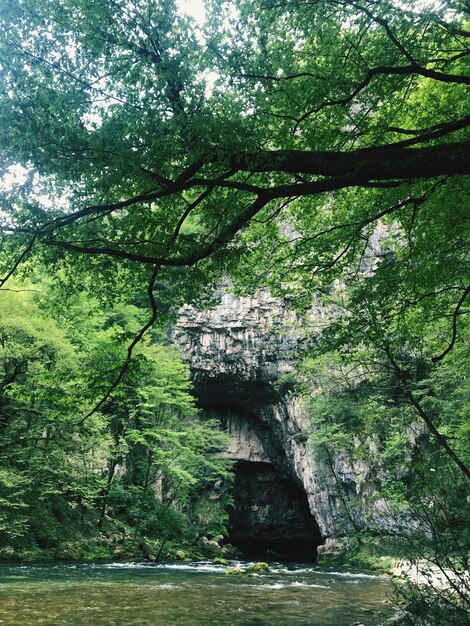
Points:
(122, 547)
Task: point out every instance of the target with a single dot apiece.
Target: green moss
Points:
(366, 552)
(259, 567)
(233, 571)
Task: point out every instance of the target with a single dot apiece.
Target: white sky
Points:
(194, 8)
(14, 175)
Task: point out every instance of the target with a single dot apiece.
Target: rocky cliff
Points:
(239, 354)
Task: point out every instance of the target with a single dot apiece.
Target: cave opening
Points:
(270, 518)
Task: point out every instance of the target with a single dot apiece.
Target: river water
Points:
(189, 594)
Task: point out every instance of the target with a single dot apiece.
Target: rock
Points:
(240, 335)
(234, 571)
(259, 567)
(241, 354)
(211, 542)
(334, 547)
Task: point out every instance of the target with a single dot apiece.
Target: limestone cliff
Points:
(238, 353)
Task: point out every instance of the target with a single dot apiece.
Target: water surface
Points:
(189, 594)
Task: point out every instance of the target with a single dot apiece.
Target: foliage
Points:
(58, 471)
(362, 408)
(326, 160)
(268, 140)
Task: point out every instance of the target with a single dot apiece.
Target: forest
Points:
(153, 151)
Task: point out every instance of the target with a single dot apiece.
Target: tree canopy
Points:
(289, 144)
(159, 142)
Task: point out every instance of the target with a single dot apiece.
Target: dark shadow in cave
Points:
(270, 518)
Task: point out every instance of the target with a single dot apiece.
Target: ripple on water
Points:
(183, 567)
(295, 584)
(354, 575)
(188, 594)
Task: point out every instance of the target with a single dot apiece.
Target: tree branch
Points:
(18, 261)
(404, 377)
(405, 70)
(380, 163)
(130, 348)
(454, 326)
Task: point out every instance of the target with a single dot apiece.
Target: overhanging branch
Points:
(371, 164)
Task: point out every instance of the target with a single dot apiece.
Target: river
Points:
(189, 594)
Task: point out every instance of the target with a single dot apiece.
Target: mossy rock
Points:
(259, 567)
(233, 571)
(384, 564)
(219, 561)
(253, 575)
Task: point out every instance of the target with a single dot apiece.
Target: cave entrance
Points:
(270, 518)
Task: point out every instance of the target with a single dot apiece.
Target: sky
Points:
(194, 8)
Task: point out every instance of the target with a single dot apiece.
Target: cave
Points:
(270, 518)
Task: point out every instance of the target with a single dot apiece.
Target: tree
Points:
(49, 468)
(168, 141)
(268, 143)
(58, 472)
(361, 409)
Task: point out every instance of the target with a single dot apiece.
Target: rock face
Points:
(241, 338)
(239, 354)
